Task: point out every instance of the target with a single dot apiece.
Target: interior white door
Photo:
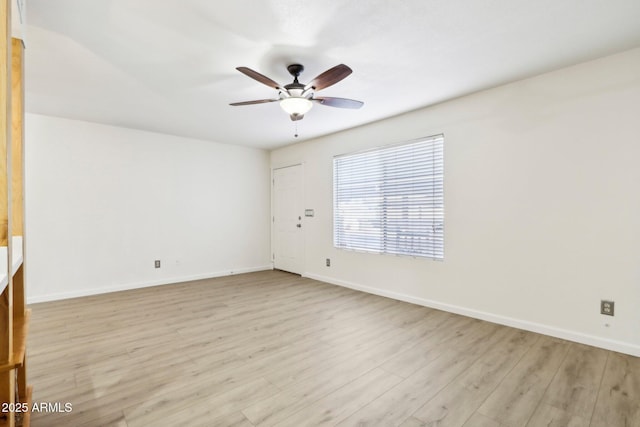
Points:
(288, 234)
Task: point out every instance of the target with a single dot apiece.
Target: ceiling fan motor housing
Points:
(295, 88)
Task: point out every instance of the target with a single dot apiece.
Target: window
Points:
(391, 200)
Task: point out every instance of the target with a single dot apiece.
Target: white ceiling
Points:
(169, 66)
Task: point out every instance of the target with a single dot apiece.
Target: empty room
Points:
(304, 213)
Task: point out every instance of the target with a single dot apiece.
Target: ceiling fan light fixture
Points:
(295, 105)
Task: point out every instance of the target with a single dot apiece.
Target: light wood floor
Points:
(274, 349)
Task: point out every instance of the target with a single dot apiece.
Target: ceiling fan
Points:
(296, 99)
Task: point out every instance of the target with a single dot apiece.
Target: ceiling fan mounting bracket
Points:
(295, 69)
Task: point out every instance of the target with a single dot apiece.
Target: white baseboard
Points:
(608, 344)
(128, 286)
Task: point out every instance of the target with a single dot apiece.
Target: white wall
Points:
(103, 202)
(542, 202)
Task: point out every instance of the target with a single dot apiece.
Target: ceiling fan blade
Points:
(259, 77)
(259, 101)
(296, 117)
(329, 77)
(339, 102)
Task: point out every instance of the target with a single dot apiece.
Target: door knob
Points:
(299, 225)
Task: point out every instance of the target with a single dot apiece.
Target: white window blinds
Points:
(391, 200)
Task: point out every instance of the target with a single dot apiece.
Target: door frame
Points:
(272, 223)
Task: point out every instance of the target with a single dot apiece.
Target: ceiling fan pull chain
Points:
(296, 125)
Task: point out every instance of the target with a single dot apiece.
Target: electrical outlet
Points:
(328, 262)
(607, 307)
(157, 263)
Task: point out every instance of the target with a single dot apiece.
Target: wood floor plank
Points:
(427, 349)
(455, 404)
(198, 407)
(344, 401)
(571, 396)
(619, 395)
(518, 395)
(413, 422)
(399, 403)
(479, 420)
(97, 416)
(273, 348)
(550, 416)
(302, 394)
